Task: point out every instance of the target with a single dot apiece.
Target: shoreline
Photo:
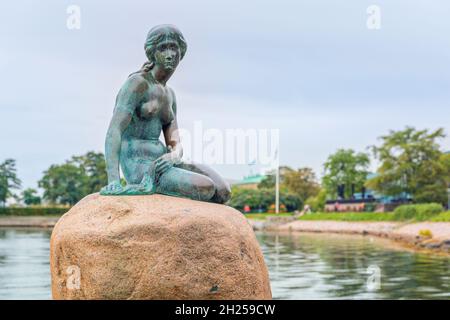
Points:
(28, 222)
(403, 232)
(406, 233)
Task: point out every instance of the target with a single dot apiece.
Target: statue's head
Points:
(165, 46)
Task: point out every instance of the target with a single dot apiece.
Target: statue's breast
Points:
(149, 109)
(158, 104)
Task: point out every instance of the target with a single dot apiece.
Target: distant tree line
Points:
(410, 162)
(63, 184)
(71, 181)
(296, 186)
(8, 180)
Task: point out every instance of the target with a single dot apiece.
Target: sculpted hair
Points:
(164, 32)
(155, 36)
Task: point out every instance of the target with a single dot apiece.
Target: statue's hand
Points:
(165, 162)
(113, 188)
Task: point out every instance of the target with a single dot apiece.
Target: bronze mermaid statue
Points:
(145, 107)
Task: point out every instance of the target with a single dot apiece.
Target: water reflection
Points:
(301, 266)
(324, 266)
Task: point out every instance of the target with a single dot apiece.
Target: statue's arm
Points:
(127, 100)
(171, 134)
(117, 126)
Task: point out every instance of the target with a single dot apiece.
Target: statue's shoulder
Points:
(136, 82)
(131, 91)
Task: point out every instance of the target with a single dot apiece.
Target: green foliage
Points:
(94, 165)
(370, 207)
(417, 212)
(445, 160)
(442, 217)
(30, 197)
(349, 216)
(431, 212)
(8, 179)
(261, 199)
(269, 180)
(70, 182)
(317, 203)
(64, 184)
(412, 163)
(32, 211)
(290, 201)
(264, 216)
(345, 167)
(301, 182)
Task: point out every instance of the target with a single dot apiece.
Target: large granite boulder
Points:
(155, 247)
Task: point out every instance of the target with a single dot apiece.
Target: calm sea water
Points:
(24, 264)
(301, 266)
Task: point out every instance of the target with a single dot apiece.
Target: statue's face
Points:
(167, 55)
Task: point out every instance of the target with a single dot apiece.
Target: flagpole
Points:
(277, 180)
(277, 189)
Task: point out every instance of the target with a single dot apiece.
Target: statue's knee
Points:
(223, 193)
(206, 189)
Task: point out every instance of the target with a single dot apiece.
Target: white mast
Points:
(277, 190)
(277, 182)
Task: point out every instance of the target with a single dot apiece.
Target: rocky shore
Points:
(428, 235)
(28, 222)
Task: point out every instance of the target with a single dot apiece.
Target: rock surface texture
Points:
(155, 247)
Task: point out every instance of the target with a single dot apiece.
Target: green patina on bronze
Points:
(145, 106)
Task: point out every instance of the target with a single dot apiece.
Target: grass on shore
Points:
(349, 216)
(263, 216)
(442, 217)
(352, 216)
(33, 211)
(372, 216)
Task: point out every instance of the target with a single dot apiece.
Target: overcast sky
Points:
(310, 68)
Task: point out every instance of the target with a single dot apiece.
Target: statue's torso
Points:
(140, 141)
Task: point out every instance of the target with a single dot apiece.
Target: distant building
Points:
(250, 182)
(359, 201)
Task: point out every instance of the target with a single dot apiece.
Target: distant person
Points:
(336, 206)
(306, 210)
